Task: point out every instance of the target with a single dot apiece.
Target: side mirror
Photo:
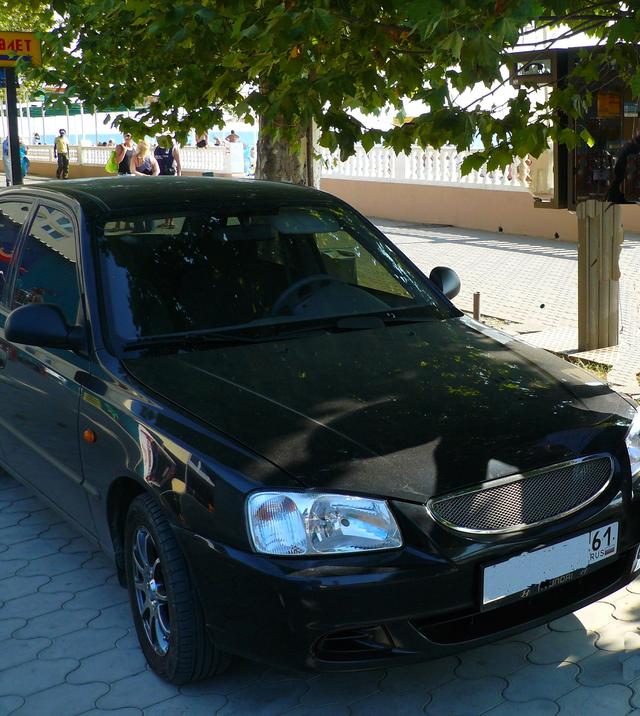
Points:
(446, 280)
(42, 325)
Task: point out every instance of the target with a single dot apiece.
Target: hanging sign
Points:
(609, 104)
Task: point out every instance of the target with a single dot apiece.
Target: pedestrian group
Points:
(129, 157)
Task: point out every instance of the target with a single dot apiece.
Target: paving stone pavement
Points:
(67, 644)
(67, 647)
(532, 284)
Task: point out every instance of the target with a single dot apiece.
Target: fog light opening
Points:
(358, 644)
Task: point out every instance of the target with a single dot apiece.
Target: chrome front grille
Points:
(521, 501)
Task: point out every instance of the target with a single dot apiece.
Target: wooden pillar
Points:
(600, 236)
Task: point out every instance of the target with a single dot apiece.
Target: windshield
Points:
(214, 271)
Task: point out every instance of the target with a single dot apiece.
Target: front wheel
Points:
(166, 611)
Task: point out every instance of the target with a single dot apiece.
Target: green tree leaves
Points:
(293, 62)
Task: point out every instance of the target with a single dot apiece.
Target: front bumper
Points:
(376, 610)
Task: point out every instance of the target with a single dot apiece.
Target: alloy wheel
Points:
(150, 591)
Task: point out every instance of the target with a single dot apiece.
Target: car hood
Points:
(404, 411)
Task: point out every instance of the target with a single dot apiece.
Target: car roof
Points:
(128, 193)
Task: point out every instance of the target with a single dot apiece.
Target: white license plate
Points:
(533, 572)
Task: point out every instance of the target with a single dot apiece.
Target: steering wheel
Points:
(294, 294)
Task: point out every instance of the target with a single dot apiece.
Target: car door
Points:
(39, 390)
(14, 213)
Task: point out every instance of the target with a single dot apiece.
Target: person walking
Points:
(24, 159)
(6, 160)
(143, 163)
(167, 155)
(124, 152)
(61, 151)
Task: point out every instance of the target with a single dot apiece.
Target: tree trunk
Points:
(281, 160)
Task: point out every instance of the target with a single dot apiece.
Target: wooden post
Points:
(476, 306)
(600, 236)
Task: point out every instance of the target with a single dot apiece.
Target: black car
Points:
(293, 445)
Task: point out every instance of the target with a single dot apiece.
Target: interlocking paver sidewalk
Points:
(60, 659)
(67, 644)
(532, 284)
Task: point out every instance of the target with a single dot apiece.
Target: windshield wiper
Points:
(189, 338)
(346, 324)
(337, 324)
(409, 314)
(289, 329)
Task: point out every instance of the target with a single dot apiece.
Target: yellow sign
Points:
(17, 45)
(609, 104)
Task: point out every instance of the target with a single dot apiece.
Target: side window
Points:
(348, 260)
(47, 267)
(13, 214)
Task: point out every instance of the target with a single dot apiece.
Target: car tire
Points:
(166, 610)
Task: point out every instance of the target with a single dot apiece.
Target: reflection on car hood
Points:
(403, 411)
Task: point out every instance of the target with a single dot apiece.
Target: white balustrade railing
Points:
(225, 159)
(431, 166)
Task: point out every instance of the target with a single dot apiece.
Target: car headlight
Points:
(298, 523)
(633, 445)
